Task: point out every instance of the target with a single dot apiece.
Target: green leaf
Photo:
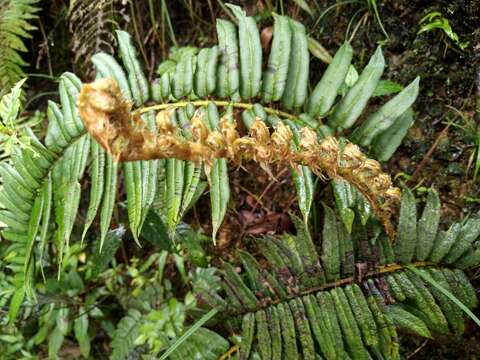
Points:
(183, 76)
(227, 72)
(317, 50)
(174, 173)
(468, 234)
(352, 105)
(33, 226)
(303, 181)
(444, 242)
(187, 334)
(275, 76)
(323, 96)
(203, 344)
(407, 229)
(386, 115)
(406, 320)
(10, 104)
(387, 87)
(344, 200)
(330, 249)
(447, 293)
(124, 336)
(302, 178)
(218, 179)
(297, 79)
(387, 142)
(104, 252)
(97, 176)
(55, 342)
(304, 6)
(427, 226)
(109, 197)
(205, 74)
(250, 53)
(15, 303)
(136, 78)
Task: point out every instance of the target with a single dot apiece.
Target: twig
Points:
(429, 153)
(229, 353)
(362, 20)
(45, 46)
(417, 350)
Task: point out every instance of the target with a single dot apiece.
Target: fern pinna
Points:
(348, 300)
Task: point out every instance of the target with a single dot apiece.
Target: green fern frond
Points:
(346, 301)
(42, 184)
(93, 24)
(15, 17)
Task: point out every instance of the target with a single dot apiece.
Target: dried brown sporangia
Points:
(108, 117)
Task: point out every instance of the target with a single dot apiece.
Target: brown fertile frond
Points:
(108, 118)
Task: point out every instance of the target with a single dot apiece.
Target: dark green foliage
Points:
(340, 314)
(15, 18)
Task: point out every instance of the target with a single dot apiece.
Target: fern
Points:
(93, 24)
(219, 73)
(203, 344)
(15, 16)
(348, 300)
(123, 340)
(43, 184)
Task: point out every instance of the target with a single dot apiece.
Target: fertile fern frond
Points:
(227, 74)
(107, 117)
(347, 300)
(45, 184)
(15, 17)
(93, 24)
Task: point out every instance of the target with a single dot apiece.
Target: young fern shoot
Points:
(108, 117)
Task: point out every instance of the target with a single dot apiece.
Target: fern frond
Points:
(37, 190)
(93, 24)
(108, 119)
(15, 17)
(224, 76)
(43, 184)
(327, 309)
(123, 340)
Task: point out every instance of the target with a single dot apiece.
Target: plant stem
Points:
(240, 105)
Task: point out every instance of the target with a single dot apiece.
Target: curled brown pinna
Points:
(108, 118)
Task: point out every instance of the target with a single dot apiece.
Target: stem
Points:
(239, 105)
